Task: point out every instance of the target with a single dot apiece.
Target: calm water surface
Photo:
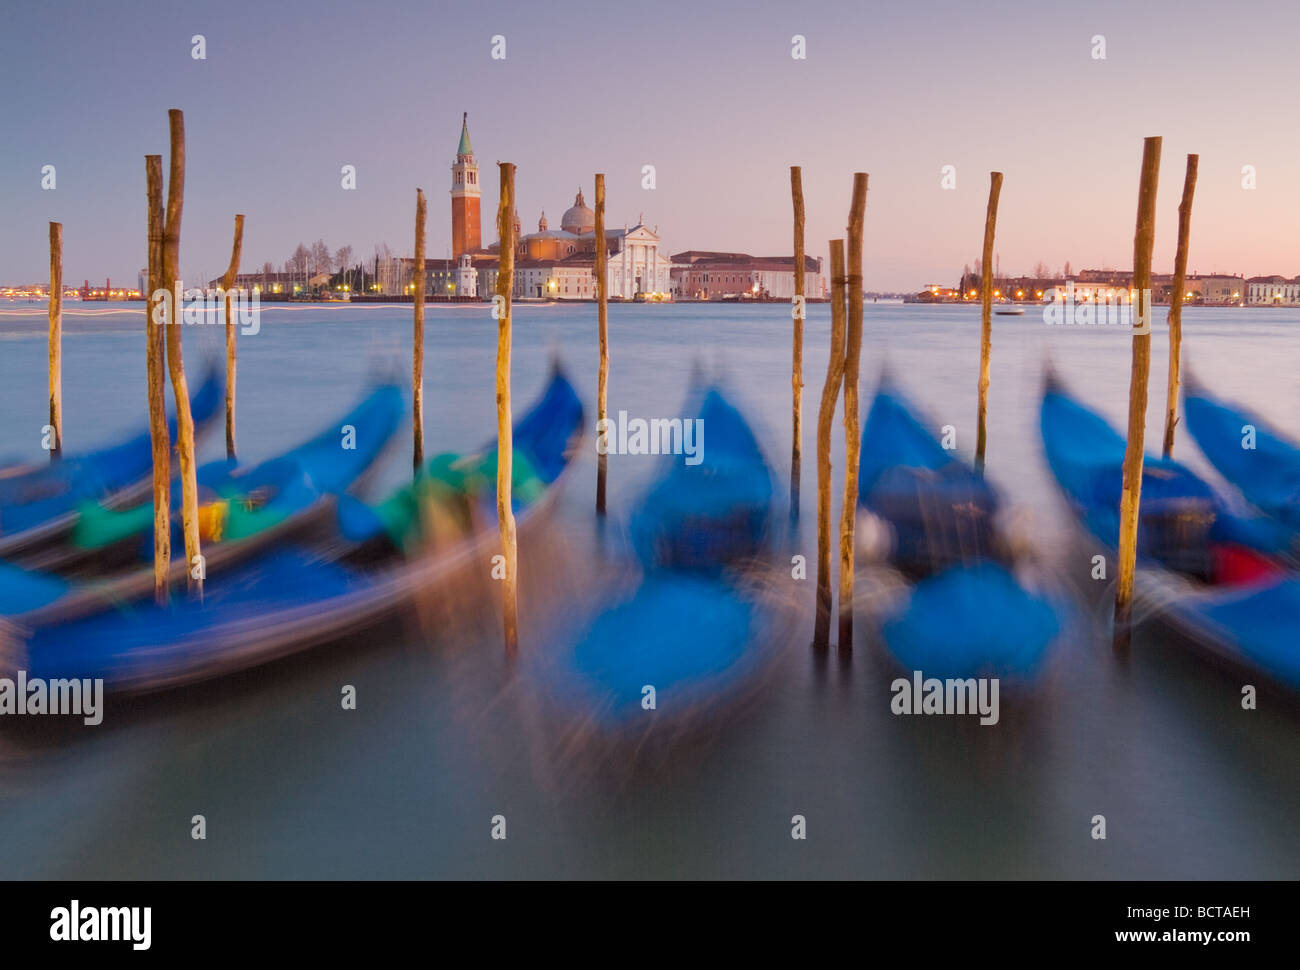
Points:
(406, 786)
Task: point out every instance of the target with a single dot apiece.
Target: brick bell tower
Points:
(466, 224)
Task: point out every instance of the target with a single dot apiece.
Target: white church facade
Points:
(638, 267)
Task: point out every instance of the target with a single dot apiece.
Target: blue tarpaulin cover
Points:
(967, 615)
(686, 629)
(1267, 473)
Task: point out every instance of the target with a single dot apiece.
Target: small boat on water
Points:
(1010, 311)
(1256, 458)
(1218, 580)
(39, 504)
(965, 613)
(295, 597)
(692, 627)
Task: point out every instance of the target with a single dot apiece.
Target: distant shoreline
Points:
(30, 304)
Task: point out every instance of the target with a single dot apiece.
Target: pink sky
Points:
(708, 95)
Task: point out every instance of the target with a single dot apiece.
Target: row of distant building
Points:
(39, 291)
(700, 275)
(560, 263)
(1100, 285)
(685, 276)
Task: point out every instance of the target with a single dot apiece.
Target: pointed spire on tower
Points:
(464, 148)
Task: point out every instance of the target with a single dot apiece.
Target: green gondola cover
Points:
(450, 480)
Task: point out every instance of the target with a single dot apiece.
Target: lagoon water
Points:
(406, 786)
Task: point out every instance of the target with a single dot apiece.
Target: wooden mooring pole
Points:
(986, 318)
(1131, 496)
(171, 253)
(602, 327)
(852, 434)
(56, 341)
(155, 363)
(505, 431)
(417, 354)
(796, 359)
(1176, 303)
(825, 420)
(227, 285)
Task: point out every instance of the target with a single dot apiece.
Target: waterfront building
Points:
(703, 275)
(1217, 289)
(635, 264)
(289, 284)
(1108, 277)
(465, 282)
(560, 263)
(936, 293)
(1272, 291)
(487, 268)
(452, 278)
(1213, 289)
(573, 278)
(1098, 291)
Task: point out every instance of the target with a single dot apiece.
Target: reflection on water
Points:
(442, 739)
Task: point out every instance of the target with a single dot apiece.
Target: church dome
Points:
(579, 219)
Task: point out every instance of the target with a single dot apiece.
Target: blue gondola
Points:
(967, 614)
(292, 598)
(691, 627)
(39, 505)
(1262, 463)
(1216, 578)
(241, 511)
(240, 503)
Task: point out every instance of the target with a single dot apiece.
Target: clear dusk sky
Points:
(706, 92)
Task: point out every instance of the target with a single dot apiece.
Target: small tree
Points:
(321, 261)
(343, 259)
